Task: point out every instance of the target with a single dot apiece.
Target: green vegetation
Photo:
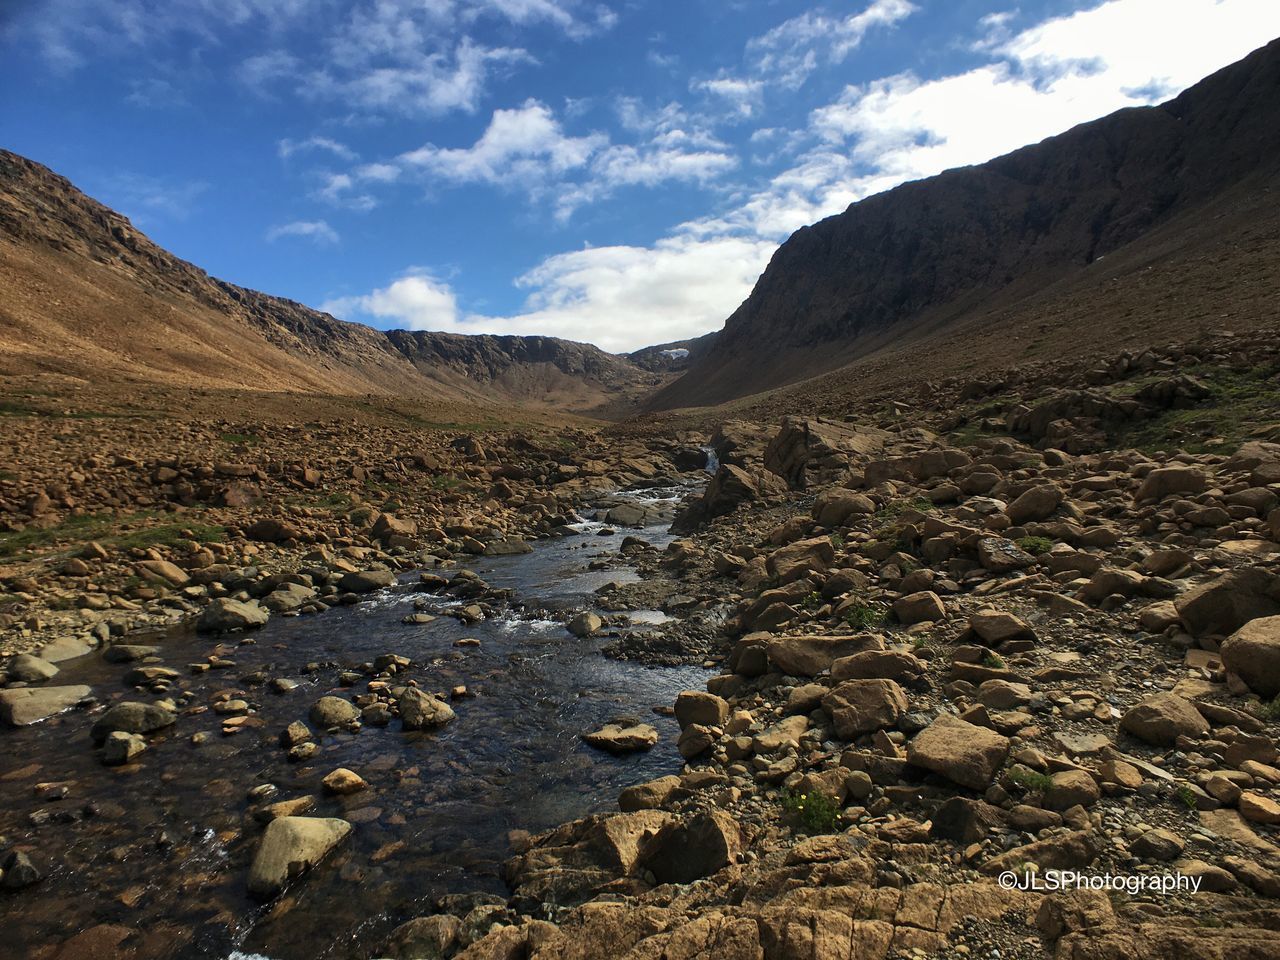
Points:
(1238, 402)
(104, 528)
(816, 811)
(837, 541)
(1187, 796)
(1035, 545)
(812, 601)
(1030, 780)
(239, 438)
(1267, 709)
(993, 660)
(895, 510)
(865, 615)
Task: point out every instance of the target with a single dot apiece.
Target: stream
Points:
(163, 845)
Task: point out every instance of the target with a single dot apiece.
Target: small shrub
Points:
(837, 541)
(1267, 709)
(1035, 545)
(993, 660)
(1030, 780)
(816, 811)
(1187, 796)
(865, 616)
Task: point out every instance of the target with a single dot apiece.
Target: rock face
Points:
(27, 705)
(1226, 603)
(290, 846)
(960, 751)
(1014, 222)
(1253, 654)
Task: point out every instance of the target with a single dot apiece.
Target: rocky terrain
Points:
(997, 629)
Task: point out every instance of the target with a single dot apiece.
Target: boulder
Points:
(995, 627)
(1069, 788)
(132, 717)
(618, 739)
(333, 711)
(1163, 717)
(688, 850)
(960, 751)
(694, 706)
(922, 607)
(1253, 654)
(585, 624)
(1226, 603)
(120, 747)
(1038, 503)
(26, 705)
(224, 615)
(163, 571)
(1163, 481)
(879, 664)
(861, 706)
(810, 656)
(366, 581)
(648, 796)
(835, 507)
(421, 711)
(29, 669)
(344, 782)
(272, 530)
(290, 846)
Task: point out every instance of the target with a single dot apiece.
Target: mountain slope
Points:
(929, 255)
(85, 295)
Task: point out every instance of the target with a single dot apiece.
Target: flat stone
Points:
(290, 846)
(27, 705)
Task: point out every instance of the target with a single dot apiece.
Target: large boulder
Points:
(960, 751)
(730, 486)
(924, 606)
(132, 717)
(810, 656)
(272, 530)
(696, 706)
(366, 581)
(688, 850)
(290, 846)
(836, 506)
(861, 706)
(421, 711)
(1163, 717)
(26, 705)
(29, 669)
(1163, 481)
(224, 615)
(1253, 654)
(1226, 603)
(1038, 503)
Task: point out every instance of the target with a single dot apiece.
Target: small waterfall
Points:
(713, 461)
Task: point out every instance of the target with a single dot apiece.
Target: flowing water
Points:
(163, 846)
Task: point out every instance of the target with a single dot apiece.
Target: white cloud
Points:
(316, 230)
(415, 301)
(620, 298)
(792, 50)
(524, 146)
(743, 96)
(339, 190)
(287, 148)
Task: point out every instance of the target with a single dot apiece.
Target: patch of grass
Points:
(885, 515)
(1030, 779)
(993, 660)
(103, 527)
(239, 438)
(813, 601)
(1187, 796)
(1035, 545)
(865, 615)
(816, 811)
(1267, 709)
(1239, 401)
(443, 481)
(837, 541)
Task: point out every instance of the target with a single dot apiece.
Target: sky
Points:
(610, 171)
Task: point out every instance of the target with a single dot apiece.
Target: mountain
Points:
(83, 294)
(1000, 255)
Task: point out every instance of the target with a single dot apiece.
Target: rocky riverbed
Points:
(949, 649)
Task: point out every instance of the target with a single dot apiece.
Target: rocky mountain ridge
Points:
(927, 256)
(89, 294)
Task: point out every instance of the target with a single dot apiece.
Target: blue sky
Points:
(616, 171)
